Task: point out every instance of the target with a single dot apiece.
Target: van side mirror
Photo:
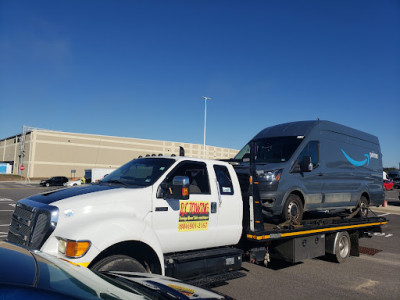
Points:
(306, 164)
(180, 187)
(246, 157)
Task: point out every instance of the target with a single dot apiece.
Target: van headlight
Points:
(269, 176)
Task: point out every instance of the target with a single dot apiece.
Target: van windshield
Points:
(139, 172)
(272, 150)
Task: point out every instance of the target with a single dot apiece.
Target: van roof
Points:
(303, 128)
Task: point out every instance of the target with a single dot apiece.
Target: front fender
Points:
(103, 235)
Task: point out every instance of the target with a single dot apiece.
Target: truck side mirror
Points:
(306, 164)
(180, 187)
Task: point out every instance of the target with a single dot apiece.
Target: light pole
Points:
(205, 121)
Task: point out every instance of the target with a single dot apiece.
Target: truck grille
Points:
(31, 225)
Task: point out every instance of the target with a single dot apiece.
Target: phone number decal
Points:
(193, 215)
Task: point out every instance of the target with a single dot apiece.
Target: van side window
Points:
(224, 180)
(198, 176)
(312, 149)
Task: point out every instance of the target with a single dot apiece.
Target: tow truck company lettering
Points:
(193, 215)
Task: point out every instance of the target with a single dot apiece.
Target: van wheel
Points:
(293, 209)
(363, 205)
(342, 247)
(119, 263)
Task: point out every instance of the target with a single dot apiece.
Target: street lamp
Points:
(205, 121)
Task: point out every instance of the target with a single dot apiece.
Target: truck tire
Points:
(342, 247)
(119, 263)
(293, 209)
(363, 205)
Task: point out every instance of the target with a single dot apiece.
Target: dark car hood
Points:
(168, 286)
(17, 265)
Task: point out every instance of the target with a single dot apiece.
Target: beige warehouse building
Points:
(45, 153)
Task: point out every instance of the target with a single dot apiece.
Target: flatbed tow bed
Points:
(309, 227)
(336, 236)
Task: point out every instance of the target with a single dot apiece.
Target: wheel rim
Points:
(363, 208)
(343, 247)
(293, 210)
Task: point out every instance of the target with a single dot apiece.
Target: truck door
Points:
(229, 206)
(186, 224)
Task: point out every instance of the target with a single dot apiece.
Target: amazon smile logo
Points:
(359, 163)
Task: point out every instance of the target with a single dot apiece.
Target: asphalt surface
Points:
(373, 275)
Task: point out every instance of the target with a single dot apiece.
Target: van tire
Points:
(119, 263)
(342, 247)
(293, 209)
(363, 205)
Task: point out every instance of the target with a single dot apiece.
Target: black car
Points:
(395, 177)
(28, 274)
(56, 180)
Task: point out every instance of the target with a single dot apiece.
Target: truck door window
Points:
(224, 180)
(311, 149)
(198, 176)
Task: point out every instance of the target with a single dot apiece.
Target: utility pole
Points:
(205, 121)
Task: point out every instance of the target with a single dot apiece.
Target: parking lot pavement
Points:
(6, 209)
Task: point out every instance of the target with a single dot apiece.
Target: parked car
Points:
(395, 177)
(73, 182)
(387, 185)
(28, 274)
(56, 180)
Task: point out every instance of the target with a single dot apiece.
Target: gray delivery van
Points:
(314, 165)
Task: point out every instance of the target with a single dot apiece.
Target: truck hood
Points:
(97, 199)
(61, 194)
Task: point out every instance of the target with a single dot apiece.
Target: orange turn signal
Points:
(76, 248)
(185, 191)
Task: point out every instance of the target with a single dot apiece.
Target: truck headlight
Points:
(73, 249)
(269, 176)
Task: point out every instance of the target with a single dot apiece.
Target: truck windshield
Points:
(142, 172)
(272, 150)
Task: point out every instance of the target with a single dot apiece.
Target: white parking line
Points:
(6, 200)
(4, 224)
(6, 210)
(383, 215)
(379, 234)
(389, 235)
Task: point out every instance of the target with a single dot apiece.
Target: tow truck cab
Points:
(138, 216)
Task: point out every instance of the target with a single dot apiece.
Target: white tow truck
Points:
(177, 216)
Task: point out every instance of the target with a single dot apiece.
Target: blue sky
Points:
(140, 68)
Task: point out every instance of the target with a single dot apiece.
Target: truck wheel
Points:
(363, 205)
(342, 247)
(119, 263)
(293, 209)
